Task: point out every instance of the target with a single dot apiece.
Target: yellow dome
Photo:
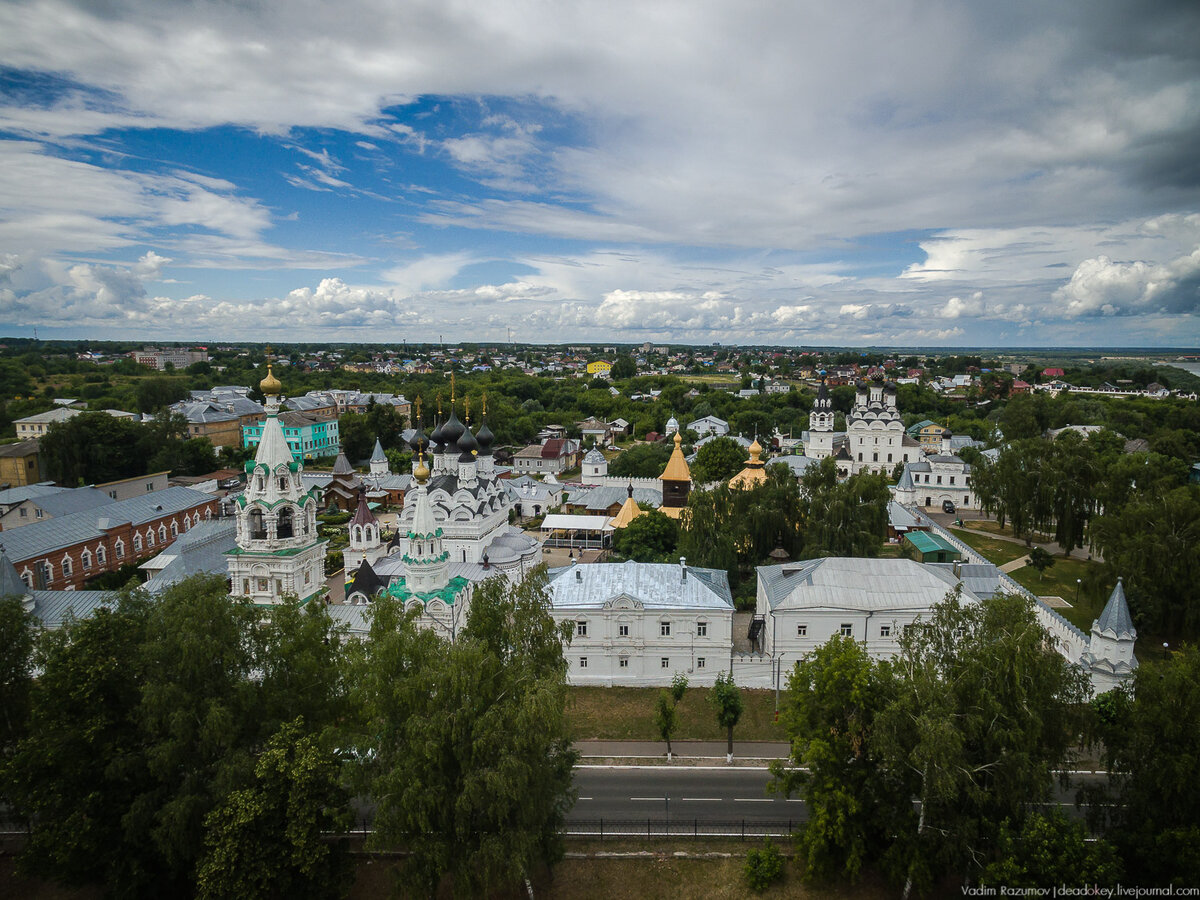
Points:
(270, 384)
(421, 472)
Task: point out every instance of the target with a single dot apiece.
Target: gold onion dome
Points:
(421, 472)
(270, 384)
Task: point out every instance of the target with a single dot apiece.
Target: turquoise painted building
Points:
(306, 437)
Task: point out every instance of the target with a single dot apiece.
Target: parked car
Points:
(947, 506)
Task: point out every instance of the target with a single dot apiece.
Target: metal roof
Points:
(575, 523)
(859, 584)
(12, 496)
(654, 585)
(72, 501)
(930, 543)
(42, 537)
(604, 496)
(1115, 617)
(201, 549)
(52, 608)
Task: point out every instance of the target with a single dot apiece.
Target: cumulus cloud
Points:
(1100, 286)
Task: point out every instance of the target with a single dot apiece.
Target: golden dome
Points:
(270, 384)
(755, 451)
(421, 472)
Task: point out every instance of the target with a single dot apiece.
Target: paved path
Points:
(1014, 565)
(682, 749)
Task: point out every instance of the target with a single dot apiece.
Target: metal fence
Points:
(680, 827)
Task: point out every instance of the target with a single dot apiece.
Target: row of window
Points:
(664, 629)
(966, 481)
(623, 662)
(100, 557)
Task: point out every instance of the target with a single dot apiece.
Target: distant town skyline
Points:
(925, 175)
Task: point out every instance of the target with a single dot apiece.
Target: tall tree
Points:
(1152, 737)
(651, 537)
(718, 460)
(272, 839)
(854, 804)
(725, 697)
(17, 631)
(985, 711)
(473, 766)
(664, 708)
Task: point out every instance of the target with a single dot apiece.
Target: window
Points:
(137, 543)
(847, 629)
(174, 529)
(666, 662)
(120, 548)
(581, 629)
(24, 512)
(664, 629)
(623, 630)
(885, 631)
(801, 631)
(952, 479)
(583, 662)
(37, 513)
(965, 499)
(66, 566)
(101, 556)
(624, 663)
(149, 486)
(86, 558)
(262, 585)
(162, 533)
(939, 481)
(699, 662)
(701, 629)
(245, 585)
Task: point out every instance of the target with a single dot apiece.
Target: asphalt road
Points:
(712, 799)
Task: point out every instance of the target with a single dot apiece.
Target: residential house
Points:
(20, 463)
(555, 456)
(307, 437)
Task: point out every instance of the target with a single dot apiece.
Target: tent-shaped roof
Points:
(1115, 617)
(755, 472)
(677, 467)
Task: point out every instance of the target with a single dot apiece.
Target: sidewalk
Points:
(681, 749)
(946, 520)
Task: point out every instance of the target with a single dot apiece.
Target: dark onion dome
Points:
(889, 387)
(418, 442)
(468, 447)
(452, 431)
(437, 437)
(485, 438)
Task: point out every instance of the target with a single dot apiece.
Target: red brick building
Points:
(65, 552)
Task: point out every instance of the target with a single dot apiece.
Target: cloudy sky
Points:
(889, 172)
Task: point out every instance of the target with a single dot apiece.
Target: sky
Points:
(885, 172)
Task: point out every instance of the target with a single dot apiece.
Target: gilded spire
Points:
(270, 385)
(417, 403)
(485, 404)
(452, 390)
(466, 410)
(439, 404)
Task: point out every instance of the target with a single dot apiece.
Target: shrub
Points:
(763, 867)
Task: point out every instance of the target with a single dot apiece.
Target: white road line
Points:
(753, 800)
(583, 798)
(701, 799)
(650, 799)
(794, 800)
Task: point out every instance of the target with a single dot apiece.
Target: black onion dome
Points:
(437, 437)
(467, 445)
(418, 442)
(485, 438)
(452, 430)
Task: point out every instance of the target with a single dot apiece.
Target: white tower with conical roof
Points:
(1109, 658)
(279, 550)
(379, 460)
(365, 539)
(427, 562)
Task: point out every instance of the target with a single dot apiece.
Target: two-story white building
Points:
(643, 623)
(801, 605)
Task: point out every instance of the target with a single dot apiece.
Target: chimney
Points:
(958, 568)
(683, 568)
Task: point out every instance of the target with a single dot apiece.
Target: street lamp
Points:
(1078, 582)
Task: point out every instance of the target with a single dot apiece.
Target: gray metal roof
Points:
(905, 483)
(52, 608)
(655, 585)
(604, 496)
(859, 584)
(62, 531)
(200, 550)
(12, 496)
(1115, 617)
(10, 582)
(72, 501)
(798, 464)
(981, 579)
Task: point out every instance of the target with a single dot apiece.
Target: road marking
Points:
(753, 800)
(794, 800)
(680, 769)
(702, 799)
(583, 798)
(650, 799)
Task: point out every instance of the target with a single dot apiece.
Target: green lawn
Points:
(995, 551)
(627, 714)
(1060, 581)
(994, 528)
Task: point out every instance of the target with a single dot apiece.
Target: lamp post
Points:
(1078, 582)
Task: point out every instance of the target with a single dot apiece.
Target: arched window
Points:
(283, 485)
(284, 527)
(27, 577)
(162, 533)
(258, 529)
(137, 543)
(66, 566)
(207, 514)
(174, 529)
(120, 548)
(101, 556)
(86, 558)
(47, 572)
